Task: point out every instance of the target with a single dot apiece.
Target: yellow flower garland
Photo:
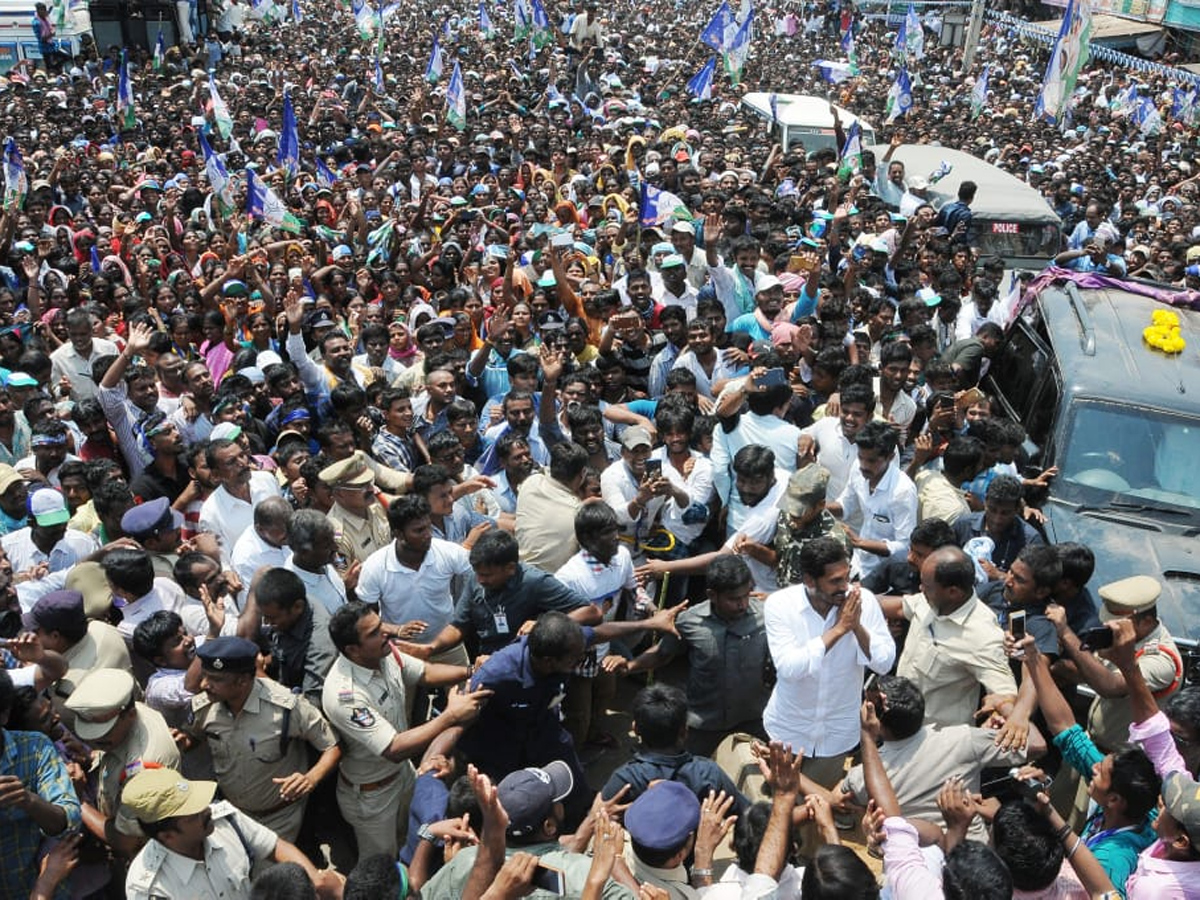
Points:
(1163, 334)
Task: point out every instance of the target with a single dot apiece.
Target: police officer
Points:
(356, 513)
(258, 733)
(366, 697)
(200, 849)
(129, 736)
(155, 526)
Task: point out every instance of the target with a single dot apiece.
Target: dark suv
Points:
(1122, 423)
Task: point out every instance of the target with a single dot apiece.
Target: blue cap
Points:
(150, 519)
(321, 319)
(228, 654)
(663, 817)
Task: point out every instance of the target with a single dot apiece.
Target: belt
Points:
(370, 785)
(254, 814)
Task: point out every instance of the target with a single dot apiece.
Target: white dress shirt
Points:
(228, 517)
(78, 369)
(70, 550)
(618, 487)
(699, 488)
(815, 703)
(769, 431)
(834, 452)
(426, 594)
(250, 553)
(888, 513)
(757, 523)
(326, 586)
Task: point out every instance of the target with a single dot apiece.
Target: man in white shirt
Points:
(266, 543)
(762, 424)
(882, 496)
(830, 440)
(314, 548)
(229, 510)
(138, 594)
(73, 360)
(821, 634)
(47, 540)
(416, 579)
(638, 492)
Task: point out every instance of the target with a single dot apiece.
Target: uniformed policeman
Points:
(367, 696)
(155, 526)
(356, 513)
(129, 736)
(200, 849)
(258, 733)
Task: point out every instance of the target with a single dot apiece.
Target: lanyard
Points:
(1095, 839)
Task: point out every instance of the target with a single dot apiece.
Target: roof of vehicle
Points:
(1001, 197)
(800, 109)
(1097, 335)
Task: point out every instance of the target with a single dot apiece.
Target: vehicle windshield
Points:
(1012, 239)
(1142, 459)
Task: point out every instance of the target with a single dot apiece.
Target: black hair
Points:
(129, 570)
(820, 553)
(727, 572)
(395, 395)
(836, 873)
(973, 871)
(426, 478)
(1078, 561)
(895, 352)
(660, 716)
(858, 394)
(343, 624)
(1135, 780)
(1183, 707)
(508, 442)
(765, 402)
(405, 509)
(522, 364)
(877, 436)
(904, 710)
(184, 571)
(567, 462)
(555, 635)
(280, 588)
(285, 881)
(669, 417)
(495, 548)
(447, 440)
(962, 456)
(463, 800)
(754, 461)
(153, 631)
(592, 520)
(373, 878)
(1027, 844)
(1043, 563)
(1004, 489)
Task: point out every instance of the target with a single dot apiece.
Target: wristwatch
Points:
(425, 834)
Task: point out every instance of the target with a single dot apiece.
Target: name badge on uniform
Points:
(880, 517)
(501, 620)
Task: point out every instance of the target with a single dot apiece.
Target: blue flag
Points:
(95, 260)
(738, 50)
(289, 138)
(436, 65)
(214, 169)
(456, 99)
(297, 12)
(16, 182)
(702, 82)
(160, 51)
(485, 22)
(128, 114)
(899, 99)
(714, 32)
(656, 206)
(979, 92)
(915, 33)
(378, 81)
(325, 178)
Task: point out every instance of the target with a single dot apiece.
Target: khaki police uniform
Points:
(98, 702)
(368, 707)
(250, 749)
(224, 873)
(101, 648)
(358, 537)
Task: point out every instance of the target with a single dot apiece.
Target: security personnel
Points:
(258, 733)
(155, 526)
(366, 697)
(200, 849)
(130, 736)
(357, 514)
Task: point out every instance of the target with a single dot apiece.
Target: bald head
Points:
(947, 579)
(274, 512)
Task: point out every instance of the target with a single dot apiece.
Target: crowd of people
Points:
(334, 530)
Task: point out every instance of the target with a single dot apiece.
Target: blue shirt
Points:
(428, 805)
(31, 757)
(525, 596)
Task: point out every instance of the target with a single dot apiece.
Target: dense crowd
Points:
(347, 489)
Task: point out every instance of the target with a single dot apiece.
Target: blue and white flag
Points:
(1069, 55)
(215, 171)
(1147, 117)
(522, 20)
(297, 12)
(979, 92)
(220, 111)
(835, 72)
(900, 45)
(456, 99)
(542, 33)
(377, 81)
(262, 203)
(701, 83)
(714, 32)
(16, 182)
(848, 47)
(656, 206)
(95, 260)
(125, 104)
(899, 98)
(289, 139)
(915, 33)
(485, 22)
(325, 177)
(437, 63)
(850, 160)
(773, 105)
(160, 51)
(739, 50)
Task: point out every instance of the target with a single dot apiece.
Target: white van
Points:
(804, 119)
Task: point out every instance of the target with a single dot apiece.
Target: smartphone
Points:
(654, 468)
(1016, 624)
(562, 240)
(549, 879)
(871, 684)
(771, 378)
(970, 397)
(1097, 638)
